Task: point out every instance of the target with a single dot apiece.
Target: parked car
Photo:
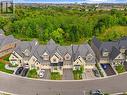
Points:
(96, 73)
(42, 73)
(19, 70)
(24, 72)
(96, 92)
(26, 66)
(104, 66)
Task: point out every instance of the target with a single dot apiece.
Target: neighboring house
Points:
(53, 56)
(23, 53)
(7, 44)
(83, 55)
(113, 52)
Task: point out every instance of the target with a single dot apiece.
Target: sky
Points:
(70, 1)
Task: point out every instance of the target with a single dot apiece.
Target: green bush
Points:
(55, 76)
(32, 73)
(120, 68)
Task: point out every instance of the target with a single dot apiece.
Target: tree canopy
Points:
(63, 25)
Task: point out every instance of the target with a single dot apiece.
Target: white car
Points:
(26, 66)
(42, 73)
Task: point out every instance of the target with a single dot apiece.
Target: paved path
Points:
(10, 68)
(22, 86)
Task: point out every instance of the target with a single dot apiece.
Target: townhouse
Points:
(7, 44)
(113, 52)
(53, 56)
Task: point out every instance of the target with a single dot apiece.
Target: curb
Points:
(4, 93)
(62, 80)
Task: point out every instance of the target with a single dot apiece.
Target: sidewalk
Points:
(10, 68)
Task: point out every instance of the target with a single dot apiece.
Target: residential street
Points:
(23, 86)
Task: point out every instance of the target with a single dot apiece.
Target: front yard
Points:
(2, 68)
(78, 74)
(32, 73)
(55, 76)
(120, 68)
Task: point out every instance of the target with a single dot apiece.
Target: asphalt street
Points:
(22, 86)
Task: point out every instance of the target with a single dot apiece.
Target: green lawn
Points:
(120, 69)
(55, 76)
(32, 73)
(2, 68)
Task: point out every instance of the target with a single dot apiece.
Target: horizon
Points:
(70, 1)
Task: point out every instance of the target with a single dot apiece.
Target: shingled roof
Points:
(112, 47)
(26, 47)
(51, 48)
(114, 53)
(96, 42)
(5, 40)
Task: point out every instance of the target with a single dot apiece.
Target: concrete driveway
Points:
(47, 74)
(108, 69)
(88, 74)
(67, 74)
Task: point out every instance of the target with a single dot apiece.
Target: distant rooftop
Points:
(70, 1)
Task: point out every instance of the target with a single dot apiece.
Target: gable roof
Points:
(82, 50)
(113, 47)
(26, 46)
(96, 42)
(4, 40)
(114, 53)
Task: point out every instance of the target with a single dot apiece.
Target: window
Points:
(34, 59)
(54, 60)
(45, 57)
(67, 57)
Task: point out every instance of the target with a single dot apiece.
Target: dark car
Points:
(96, 92)
(96, 73)
(105, 66)
(24, 72)
(19, 70)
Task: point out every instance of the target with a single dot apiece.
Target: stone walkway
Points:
(10, 68)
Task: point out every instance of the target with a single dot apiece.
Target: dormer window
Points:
(105, 53)
(122, 49)
(89, 57)
(54, 60)
(67, 57)
(45, 56)
(26, 52)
